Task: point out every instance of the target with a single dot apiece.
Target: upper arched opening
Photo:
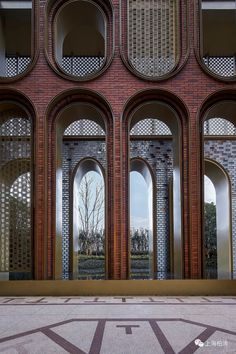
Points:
(16, 192)
(218, 37)
(219, 147)
(81, 44)
(81, 119)
(151, 46)
(154, 118)
(155, 150)
(17, 37)
(220, 119)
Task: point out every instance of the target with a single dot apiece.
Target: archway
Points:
(16, 193)
(155, 136)
(142, 264)
(219, 152)
(217, 244)
(81, 137)
(89, 243)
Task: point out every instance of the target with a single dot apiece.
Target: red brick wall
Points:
(191, 86)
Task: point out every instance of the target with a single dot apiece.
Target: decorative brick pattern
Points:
(159, 155)
(150, 126)
(219, 126)
(73, 152)
(16, 65)
(189, 87)
(82, 66)
(15, 196)
(224, 66)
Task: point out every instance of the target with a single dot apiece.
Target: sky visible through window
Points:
(138, 201)
(209, 191)
(139, 197)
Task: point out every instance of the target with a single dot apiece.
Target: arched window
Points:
(217, 233)
(219, 209)
(16, 37)
(16, 186)
(81, 150)
(151, 37)
(82, 37)
(155, 139)
(89, 246)
(141, 221)
(218, 37)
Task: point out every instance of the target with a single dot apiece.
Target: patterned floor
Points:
(117, 325)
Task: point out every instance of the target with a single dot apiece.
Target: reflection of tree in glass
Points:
(91, 216)
(139, 241)
(210, 240)
(139, 244)
(91, 228)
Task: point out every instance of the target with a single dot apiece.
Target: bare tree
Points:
(91, 216)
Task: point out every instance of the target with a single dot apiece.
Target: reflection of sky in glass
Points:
(138, 201)
(209, 191)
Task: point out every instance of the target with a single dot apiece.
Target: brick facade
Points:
(189, 91)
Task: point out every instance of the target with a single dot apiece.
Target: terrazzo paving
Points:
(117, 325)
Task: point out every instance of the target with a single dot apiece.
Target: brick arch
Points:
(57, 106)
(34, 54)
(21, 100)
(220, 104)
(213, 99)
(128, 23)
(87, 164)
(51, 10)
(213, 64)
(180, 111)
(17, 118)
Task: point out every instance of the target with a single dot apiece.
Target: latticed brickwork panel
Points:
(223, 66)
(219, 126)
(20, 224)
(152, 36)
(159, 155)
(15, 194)
(84, 127)
(16, 65)
(150, 127)
(82, 66)
(73, 152)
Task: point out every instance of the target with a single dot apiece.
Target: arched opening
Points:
(153, 36)
(219, 258)
(89, 246)
(155, 137)
(217, 231)
(81, 140)
(16, 193)
(16, 37)
(141, 221)
(218, 36)
(80, 38)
